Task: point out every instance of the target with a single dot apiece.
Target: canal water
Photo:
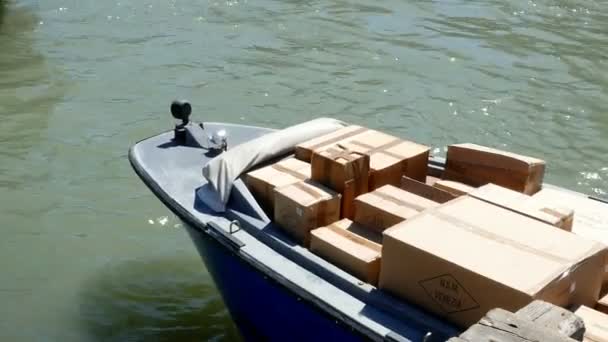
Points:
(88, 254)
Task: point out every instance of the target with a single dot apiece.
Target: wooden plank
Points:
(554, 318)
(502, 326)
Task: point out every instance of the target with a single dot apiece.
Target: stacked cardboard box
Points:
(390, 157)
(467, 256)
(304, 206)
(344, 171)
(478, 165)
(387, 206)
(596, 324)
(457, 246)
(263, 181)
(340, 245)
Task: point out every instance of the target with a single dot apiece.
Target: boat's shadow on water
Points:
(154, 300)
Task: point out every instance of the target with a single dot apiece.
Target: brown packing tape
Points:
(348, 196)
(321, 212)
(397, 201)
(360, 187)
(347, 154)
(344, 153)
(380, 149)
(338, 138)
(308, 190)
(553, 213)
(551, 279)
(495, 237)
(333, 154)
(289, 171)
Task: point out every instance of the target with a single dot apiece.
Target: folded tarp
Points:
(223, 170)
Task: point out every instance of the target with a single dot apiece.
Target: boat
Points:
(274, 289)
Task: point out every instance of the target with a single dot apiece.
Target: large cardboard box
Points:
(465, 257)
(453, 187)
(344, 171)
(387, 206)
(390, 157)
(426, 190)
(347, 250)
(557, 216)
(590, 215)
(478, 165)
(263, 181)
(596, 324)
(304, 206)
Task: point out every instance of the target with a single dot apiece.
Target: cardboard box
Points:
(465, 257)
(347, 250)
(557, 216)
(263, 181)
(390, 157)
(344, 171)
(602, 303)
(304, 206)
(387, 206)
(590, 215)
(453, 187)
(478, 165)
(426, 190)
(596, 324)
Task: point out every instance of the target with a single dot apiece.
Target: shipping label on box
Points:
(303, 206)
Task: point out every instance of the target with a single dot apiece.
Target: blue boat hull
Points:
(262, 309)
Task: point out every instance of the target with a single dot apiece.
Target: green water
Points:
(88, 254)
